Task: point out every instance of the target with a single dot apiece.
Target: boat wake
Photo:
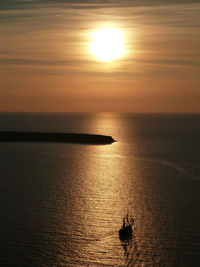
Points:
(163, 162)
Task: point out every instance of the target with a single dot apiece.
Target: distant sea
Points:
(63, 204)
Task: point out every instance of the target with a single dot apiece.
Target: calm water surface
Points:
(62, 204)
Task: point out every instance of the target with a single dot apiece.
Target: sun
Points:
(107, 44)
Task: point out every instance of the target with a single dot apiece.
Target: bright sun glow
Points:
(107, 44)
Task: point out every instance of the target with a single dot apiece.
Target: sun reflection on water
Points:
(107, 182)
(104, 195)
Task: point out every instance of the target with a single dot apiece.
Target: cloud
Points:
(176, 13)
(56, 37)
(44, 62)
(76, 63)
(24, 4)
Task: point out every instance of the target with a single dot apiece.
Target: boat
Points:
(126, 230)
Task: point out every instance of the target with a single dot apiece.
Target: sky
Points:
(46, 64)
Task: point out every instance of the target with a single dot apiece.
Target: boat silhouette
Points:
(125, 231)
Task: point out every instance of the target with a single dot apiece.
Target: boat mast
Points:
(127, 219)
(124, 224)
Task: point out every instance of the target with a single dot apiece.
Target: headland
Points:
(79, 138)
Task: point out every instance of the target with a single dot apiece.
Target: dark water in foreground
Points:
(62, 204)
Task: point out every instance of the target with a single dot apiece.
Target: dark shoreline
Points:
(79, 138)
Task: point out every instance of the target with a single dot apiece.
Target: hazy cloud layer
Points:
(45, 44)
(20, 4)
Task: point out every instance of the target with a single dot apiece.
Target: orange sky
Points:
(46, 65)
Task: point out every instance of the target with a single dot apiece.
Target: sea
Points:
(62, 204)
